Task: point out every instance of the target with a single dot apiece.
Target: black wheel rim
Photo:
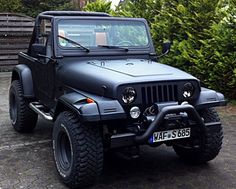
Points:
(64, 152)
(13, 108)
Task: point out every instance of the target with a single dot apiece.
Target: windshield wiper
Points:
(74, 42)
(114, 47)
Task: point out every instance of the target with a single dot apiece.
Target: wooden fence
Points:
(15, 34)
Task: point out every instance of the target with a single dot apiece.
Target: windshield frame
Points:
(59, 50)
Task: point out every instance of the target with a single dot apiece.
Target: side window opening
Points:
(43, 41)
(45, 31)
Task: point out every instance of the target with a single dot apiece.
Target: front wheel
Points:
(78, 150)
(210, 141)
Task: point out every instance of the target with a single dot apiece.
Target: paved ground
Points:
(26, 160)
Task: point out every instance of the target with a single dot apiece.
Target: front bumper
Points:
(129, 139)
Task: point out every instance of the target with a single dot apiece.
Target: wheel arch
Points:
(23, 73)
(209, 98)
(75, 102)
(100, 109)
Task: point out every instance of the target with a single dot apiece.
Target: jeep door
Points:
(45, 65)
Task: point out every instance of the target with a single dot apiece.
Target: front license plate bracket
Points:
(161, 136)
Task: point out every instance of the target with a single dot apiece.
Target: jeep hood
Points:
(94, 76)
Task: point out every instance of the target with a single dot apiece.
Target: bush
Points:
(203, 35)
(220, 53)
(99, 6)
(10, 6)
(34, 7)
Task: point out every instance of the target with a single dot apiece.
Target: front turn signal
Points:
(89, 100)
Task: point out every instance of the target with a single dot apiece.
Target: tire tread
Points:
(26, 118)
(211, 141)
(88, 150)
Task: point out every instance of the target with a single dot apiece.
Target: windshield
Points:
(100, 33)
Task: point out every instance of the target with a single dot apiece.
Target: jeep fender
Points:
(101, 109)
(209, 98)
(23, 73)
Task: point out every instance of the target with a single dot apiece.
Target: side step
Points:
(39, 109)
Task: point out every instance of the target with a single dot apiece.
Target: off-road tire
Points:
(78, 150)
(23, 119)
(210, 141)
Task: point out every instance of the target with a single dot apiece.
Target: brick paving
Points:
(26, 160)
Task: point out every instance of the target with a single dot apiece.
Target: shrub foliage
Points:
(99, 6)
(10, 6)
(203, 36)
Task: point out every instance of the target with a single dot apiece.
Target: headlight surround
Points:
(188, 90)
(128, 95)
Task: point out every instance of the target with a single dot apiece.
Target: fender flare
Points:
(23, 73)
(102, 109)
(77, 103)
(210, 98)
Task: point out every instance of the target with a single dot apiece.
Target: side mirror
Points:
(166, 47)
(38, 49)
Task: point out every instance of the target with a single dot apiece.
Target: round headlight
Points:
(135, 112)
(188, 90)
(128, 95)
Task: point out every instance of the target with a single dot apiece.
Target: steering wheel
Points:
(125, 43)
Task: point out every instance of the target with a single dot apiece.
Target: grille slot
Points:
(159, 93)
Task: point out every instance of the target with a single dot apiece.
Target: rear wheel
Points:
(210, 141)
(78, 150)
(23, 119)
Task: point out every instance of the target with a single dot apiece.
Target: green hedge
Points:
(203, 36)
(34, 7)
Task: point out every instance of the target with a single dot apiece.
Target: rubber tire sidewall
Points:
(60, 126)
(26, 118)
(87, 150)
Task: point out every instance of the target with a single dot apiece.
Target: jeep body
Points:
(104, 71)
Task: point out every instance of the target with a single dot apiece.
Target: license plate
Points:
(170, 135)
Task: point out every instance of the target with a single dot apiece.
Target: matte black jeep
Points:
(96, 77)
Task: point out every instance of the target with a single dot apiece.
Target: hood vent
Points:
(110, 110)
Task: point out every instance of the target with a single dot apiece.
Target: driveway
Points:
(26, 160)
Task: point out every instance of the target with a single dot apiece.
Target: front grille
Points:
(159, 93)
